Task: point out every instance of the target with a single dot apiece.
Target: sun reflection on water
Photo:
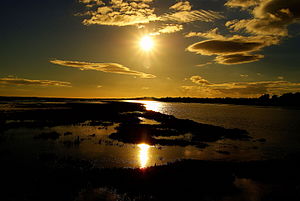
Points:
(149, 105)
(152, 105)
(143, 154)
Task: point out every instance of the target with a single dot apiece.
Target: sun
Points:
(146, 43)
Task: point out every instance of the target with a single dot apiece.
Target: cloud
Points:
(204, 88)
(137, 12)
(121, 13)
(171, 28)
(211, 34)
(92, 3)
(238, 58)
(182, 6)
(244, 75)
(270, 17)
(267, 27)
(199, 80)
(204, 64)
(242, 3)
(14, 81)
(191, 16)
(233, 50)
(257, 88)
(103, 67)
(224, 47)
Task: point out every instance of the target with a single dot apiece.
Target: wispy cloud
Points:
(191, 16)
(205, 64)
(14, 81)
(182, 6)
(103, 67)
(211, 34)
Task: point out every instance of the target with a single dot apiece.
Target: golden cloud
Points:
(169, 28)
(182, 6)
(191, 16)
(103, 67)
(242, 3)
(136, 12)
(211, 34)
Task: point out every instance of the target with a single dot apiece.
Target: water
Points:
(279, 126)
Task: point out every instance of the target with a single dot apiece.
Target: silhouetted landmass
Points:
(134, 132)
(288, 99)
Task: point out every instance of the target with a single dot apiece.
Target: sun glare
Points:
(143, 155)
(146, 43)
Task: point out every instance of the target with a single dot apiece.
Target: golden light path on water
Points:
(143, 154)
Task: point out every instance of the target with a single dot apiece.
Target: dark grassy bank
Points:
(53, 178)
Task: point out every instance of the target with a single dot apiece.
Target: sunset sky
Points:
(198, 48)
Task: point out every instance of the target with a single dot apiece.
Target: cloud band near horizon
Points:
(14, 81)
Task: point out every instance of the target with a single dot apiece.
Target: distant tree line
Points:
(287, 99)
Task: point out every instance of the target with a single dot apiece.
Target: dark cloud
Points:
(28, 82)
(224, 47)
(270, 17)
(238, 58)
(269, 24)
(232, 50)
(103, 67)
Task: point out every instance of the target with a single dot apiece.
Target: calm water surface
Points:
(279, 126)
